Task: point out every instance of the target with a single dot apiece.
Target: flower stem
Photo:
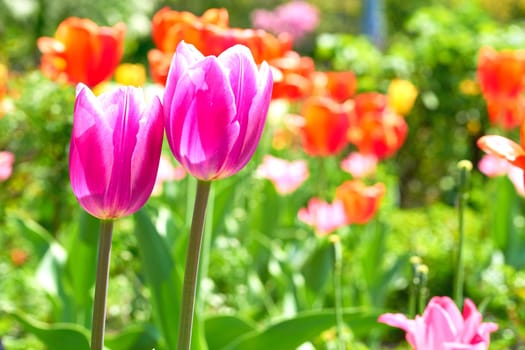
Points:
(101, 285)
(192, 266)
(338, 264)
(465, 167)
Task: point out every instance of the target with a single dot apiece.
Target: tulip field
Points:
(275, 175)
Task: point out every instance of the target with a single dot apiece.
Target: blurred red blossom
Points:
(501, 78)
(360, 201)
(82, 52)
(325, 128)
(374, 127)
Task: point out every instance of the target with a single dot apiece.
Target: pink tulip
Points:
(285, 175)
(493, 166)
(323, 216)
(215, 109)
(359, 165)
(6, 164)
(442, 326)
(114, 151)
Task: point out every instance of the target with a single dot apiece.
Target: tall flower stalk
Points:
(192, 264)
(215, 108)
(465, 168)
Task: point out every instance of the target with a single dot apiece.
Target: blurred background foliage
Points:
(434, 44)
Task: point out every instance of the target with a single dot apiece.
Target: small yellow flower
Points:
(469, 87)
(130, 74)
(401, 96)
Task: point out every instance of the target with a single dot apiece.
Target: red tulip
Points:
(82, 52)
(375, 129)
(501, 77)
(325, 126)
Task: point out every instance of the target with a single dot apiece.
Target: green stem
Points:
(101, 285)
(464, 167)
(338, 264)
(458, 281)
(192, 266)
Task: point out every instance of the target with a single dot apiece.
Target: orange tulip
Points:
(81, 51)
(325, 126)
(501, 77)
(339, 85)
(375, 129)
(210, 34)
(292, 76)
(360, 201)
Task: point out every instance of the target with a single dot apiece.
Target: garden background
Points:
(270, 274)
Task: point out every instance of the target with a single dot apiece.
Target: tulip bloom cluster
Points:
(210, 34)
(214, 111)
(82, 52)
(500, 75)
(442, 326)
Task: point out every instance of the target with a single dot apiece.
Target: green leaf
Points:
(58, 336)
(133, 337)
(291, 333)
(224, 329)
(37, 235)
(318, 267)
(162, 278)
(81, 265)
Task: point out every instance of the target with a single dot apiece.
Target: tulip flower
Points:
(360, 202)
(359, 165)
(443, 326)
(285, 175)
(215, 109)
(323, 216)
(82, 52)
(292, 76)
(492, 166)
(500, 75)
(130, 74)
(338, 85)
(375, 128)
(115, 150)
(6, 165)
(325, 127)
(401, 96)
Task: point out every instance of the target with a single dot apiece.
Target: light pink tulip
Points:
(6, 164)
(286, 176)
(323, 216)
(215, 109)
(114, 151)
(359, 165)
(492, 166)
(443, 327)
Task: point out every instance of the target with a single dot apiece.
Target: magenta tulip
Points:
(442, 326)
(114, 151)
(215, 109)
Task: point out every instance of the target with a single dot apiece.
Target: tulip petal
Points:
(146, 156)
(185, 56)
(202, 125)
(503, 147)
(91, 151)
